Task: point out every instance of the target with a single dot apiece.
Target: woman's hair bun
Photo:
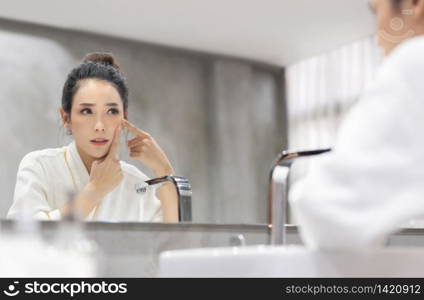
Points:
(102, 57)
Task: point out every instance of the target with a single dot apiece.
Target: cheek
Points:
(78, 122)
(391, 20)
(383, 21)
(117, 120)
(387, 23)
(80, 127)
(114, 120)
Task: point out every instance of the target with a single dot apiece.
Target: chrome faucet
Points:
(183, 188)
(278, 192)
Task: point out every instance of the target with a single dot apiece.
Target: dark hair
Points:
(96, 65)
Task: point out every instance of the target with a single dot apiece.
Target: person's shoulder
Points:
(38, 156)
(407, 55)
(132, 171)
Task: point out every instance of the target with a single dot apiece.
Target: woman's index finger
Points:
(133, 129)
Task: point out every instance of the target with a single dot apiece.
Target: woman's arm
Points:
(168, 197)
(144, 148)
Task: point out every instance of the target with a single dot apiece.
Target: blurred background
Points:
(223, 86)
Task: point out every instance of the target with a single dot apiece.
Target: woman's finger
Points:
(114, 147)
(133, 153)
(134, 141)
(143, 142)
(133, 129)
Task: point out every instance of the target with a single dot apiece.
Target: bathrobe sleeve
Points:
(31, 192)
(373, 180)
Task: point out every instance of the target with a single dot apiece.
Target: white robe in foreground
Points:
(47, 179)
(373, 180)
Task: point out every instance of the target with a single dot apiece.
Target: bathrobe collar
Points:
(78, 169)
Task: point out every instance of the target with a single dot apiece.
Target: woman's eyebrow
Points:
(93, 104)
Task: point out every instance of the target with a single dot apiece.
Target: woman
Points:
(373, 181)
(86, 177)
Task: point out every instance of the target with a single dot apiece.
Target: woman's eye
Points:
(113, 111)
(86, 111)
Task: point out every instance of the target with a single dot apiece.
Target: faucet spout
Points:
(184, 192)
(278, 203)
(278, 192)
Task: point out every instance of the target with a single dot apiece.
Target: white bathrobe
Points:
(373, 180)
(47, 179)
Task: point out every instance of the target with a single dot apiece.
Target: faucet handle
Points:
(237, 240)
(286, 157)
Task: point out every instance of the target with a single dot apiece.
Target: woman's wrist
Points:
(92, 192)
(168, 170)
(83, 203)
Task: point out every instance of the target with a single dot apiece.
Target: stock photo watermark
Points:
(70, 289)
(397, 27)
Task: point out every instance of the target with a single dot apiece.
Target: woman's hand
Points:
(106, 174)
(144, 148)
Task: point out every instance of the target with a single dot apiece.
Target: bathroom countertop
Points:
(132, 249)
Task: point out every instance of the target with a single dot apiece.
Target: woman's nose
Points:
(99, 126)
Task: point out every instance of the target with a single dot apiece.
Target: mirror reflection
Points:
(211, 120)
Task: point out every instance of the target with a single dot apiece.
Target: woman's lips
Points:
(99, 142)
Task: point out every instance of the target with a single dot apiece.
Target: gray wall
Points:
(220, 120)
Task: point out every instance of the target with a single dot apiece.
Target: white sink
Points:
(291, 261)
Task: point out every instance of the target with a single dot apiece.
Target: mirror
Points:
(219, 119)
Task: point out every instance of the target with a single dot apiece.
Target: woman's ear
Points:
(65, 118)
(126, 115)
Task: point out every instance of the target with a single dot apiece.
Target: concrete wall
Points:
(220, 120)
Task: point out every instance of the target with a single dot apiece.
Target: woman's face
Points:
(394, 24)
(97, 109)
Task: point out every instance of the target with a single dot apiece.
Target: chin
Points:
(98, 154)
